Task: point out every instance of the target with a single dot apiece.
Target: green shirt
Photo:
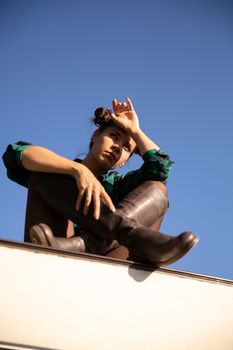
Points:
(156, 166)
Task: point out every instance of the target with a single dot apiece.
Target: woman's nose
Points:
(116, 148)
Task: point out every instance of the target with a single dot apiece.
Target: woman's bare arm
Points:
(36, 158)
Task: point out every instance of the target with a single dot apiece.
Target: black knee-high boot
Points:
(144, 244)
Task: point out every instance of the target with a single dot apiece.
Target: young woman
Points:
(80, 206)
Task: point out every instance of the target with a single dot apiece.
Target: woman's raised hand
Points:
(125, 116)
(90, 189)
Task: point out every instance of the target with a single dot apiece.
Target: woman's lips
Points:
(111, 155)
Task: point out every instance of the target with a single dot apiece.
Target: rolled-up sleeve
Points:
(156, 166)
(12, 160)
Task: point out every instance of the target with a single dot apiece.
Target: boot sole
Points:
(189, 246)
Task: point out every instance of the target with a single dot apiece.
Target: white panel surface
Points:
(57, 301)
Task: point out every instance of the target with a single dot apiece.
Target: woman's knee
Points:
(157, 185)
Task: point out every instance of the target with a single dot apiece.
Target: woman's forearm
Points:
(41, 159)
(36, 158)
(143, 142)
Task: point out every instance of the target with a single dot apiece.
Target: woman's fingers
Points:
(107, 200)
(129, 104)
(87, 194)
(96, 203)
(88, 198)
(122, 107)
(79, 200)
(119, 107)
(114, 105)
(93, 195)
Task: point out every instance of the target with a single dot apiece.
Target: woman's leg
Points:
(144, 244)
(147, 204)
(38, 211)
(152, 205)
(151, 198)
(52, 224)
(43, 221)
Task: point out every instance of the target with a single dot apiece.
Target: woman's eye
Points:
(127, 148)
(113, 135)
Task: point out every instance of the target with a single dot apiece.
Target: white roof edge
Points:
(14, 346)
(135, 265)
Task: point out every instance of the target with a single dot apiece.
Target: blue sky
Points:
(61, 59)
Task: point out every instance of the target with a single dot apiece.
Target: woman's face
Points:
(112, 147)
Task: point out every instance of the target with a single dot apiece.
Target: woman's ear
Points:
(96, 132)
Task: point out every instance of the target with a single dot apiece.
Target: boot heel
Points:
(38, 236)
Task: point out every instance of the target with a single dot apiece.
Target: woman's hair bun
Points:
(102, 116)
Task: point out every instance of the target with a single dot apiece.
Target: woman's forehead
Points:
(123, 134)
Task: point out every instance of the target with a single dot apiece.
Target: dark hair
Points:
(102, 119)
